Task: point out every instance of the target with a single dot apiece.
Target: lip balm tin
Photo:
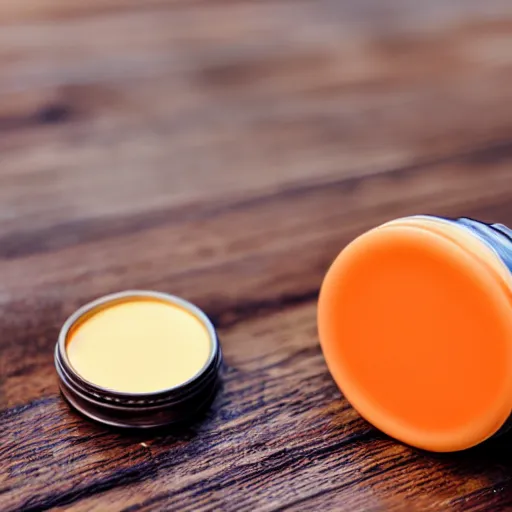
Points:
(415, 323)
(175, 404)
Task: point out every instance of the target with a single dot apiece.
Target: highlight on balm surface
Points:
(139, 345)
(415, 322)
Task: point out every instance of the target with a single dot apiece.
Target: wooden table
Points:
(226, 151)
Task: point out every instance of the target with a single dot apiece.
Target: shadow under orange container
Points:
(415, 323)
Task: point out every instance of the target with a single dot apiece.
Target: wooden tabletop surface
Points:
(225, 151)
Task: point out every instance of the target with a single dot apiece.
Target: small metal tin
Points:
(176, 404)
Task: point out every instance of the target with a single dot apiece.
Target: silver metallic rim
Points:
(64, 363)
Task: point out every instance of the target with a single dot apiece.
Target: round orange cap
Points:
(415, 323)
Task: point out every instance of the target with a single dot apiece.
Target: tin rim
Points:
(62, 360)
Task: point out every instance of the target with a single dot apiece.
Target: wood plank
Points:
(191, 109)
(233, 260)
(277, 399)
(399, 11)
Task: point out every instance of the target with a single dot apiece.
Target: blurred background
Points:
(226, 150)
(116, 110)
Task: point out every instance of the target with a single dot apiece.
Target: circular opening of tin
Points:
(138, 343)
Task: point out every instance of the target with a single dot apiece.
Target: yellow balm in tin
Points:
(138, 359)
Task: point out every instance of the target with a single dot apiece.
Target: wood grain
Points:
(226, 151)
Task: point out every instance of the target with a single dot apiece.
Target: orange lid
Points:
(415, 322)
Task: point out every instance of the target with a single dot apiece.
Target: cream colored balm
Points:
(138, 359)
(139, 346)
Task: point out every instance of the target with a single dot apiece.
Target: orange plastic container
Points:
(415, 323)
